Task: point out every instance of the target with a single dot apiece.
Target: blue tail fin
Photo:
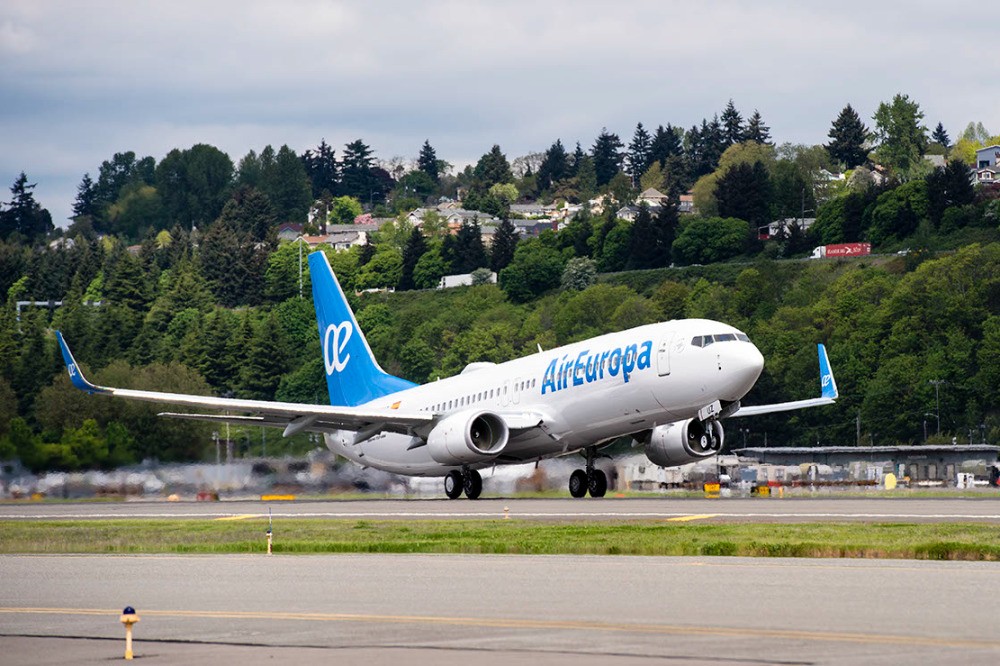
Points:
(827, 383)
(353, 376)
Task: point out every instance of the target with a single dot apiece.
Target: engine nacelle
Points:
(468, 437)
(683, 442)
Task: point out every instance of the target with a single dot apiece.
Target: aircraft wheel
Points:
(473, 484)
(578, 483)
(598, 483)
(453, 484)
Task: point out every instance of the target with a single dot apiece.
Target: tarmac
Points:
(483, 609)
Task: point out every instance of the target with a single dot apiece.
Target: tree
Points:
(897, 212)
(732, 125)
(847, 139)
(343, 210)
(266, 360)
(554, 167)
(358, 174)
(195, 184)
(288, 187)
(756, 130)
(321, 168)
(504, 244)
(707, 240)
(416, 246)
(607, 156)
(469, 251)
(949, 187)
(24, 215)
(900, 137)
(537, 267)
(491, 169)
(665, 229)
(639, 153)
(644, 252)
(427, 162)
(86, 202)
(251, 212)
(580, 273)
(940, 137)
(137, 211)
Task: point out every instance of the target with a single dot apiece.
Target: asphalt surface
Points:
(787, 510)
(461, 609)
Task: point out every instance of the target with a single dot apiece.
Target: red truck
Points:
(842, 250)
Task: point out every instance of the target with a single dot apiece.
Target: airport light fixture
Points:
(937, 400)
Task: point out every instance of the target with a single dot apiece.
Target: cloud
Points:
(83, 80)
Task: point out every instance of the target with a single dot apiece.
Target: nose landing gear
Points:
(591, 480)
(468, 481)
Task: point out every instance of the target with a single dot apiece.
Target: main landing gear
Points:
(468, 481)
(591, 480)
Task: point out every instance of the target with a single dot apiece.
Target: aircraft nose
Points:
(742, 365)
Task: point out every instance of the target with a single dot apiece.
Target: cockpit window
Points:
(725, 337)
(743, 337)
(696, 341)
(706, 340)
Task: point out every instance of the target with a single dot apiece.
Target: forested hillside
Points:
(171, 277)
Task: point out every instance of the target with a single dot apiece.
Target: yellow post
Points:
(128, 618)
(269, 542)
(506, 513)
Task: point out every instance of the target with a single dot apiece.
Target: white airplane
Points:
(667, 385)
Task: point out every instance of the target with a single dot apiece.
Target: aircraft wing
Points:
(828, 393)
(294, 417)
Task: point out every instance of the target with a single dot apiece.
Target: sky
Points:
(80, 81)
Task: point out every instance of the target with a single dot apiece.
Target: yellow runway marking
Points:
(242, 516)
(568, 625)
(684, 519)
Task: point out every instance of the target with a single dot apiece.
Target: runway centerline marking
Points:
(684, 519)
(513, 623)
(241, 516)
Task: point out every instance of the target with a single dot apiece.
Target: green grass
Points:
(936, 541)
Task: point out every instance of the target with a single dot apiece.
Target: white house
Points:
(987, 157)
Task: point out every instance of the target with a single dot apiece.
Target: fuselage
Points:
(587, 393)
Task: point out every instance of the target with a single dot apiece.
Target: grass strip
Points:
(933, 541)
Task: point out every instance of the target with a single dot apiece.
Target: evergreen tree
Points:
(195, 184)
(554, 167)
(492, 169)
(847, 139)
(469, 251)
(948, 187)
(940, 136)
(639, 153)
(357, 178)
(416, 246)
(321, 169)
(576, 161)
(643, 250)
(666, 143)
(86, 198)
(732, 125)
(665, 225)
(607, 156)
(901, 138)
(744, 192)
(504, 243)
(251, 212)
(266, 360)
(427, 162)
(288, 187)
(756, 130)
(24, 215)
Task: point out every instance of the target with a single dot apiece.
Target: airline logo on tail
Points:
(334, 344)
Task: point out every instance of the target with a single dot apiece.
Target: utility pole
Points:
(937, 400)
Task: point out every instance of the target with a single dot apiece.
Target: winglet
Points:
(75, 375)
(827, 383)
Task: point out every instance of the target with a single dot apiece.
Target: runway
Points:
(787, 510)
(460, 609)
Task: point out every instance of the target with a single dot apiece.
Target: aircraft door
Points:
(663, 355)
(505, 394)
(516, 390)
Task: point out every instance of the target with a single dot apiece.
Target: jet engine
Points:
(683, 442)
(467, 437)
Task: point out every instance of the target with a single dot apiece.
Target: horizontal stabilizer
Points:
(828, 392)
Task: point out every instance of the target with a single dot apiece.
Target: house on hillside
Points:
(289, 231)
(651, 197)
(988, 157)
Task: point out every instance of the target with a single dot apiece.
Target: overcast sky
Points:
(80, 81)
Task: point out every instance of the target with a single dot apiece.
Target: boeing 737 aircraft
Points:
(667, 385)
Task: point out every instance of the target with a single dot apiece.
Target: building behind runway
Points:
(930, 463)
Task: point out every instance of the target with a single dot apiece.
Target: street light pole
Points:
(937, 400)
